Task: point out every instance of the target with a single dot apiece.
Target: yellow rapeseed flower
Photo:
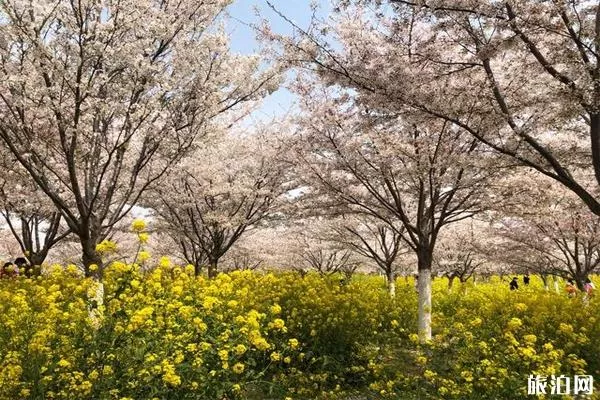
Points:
(275, 309)
(531, 339)
(164, 262)
(138, 225)
(143, 237)
(223, 355)
(240, 349)
(278, 324)
(169, 375)
(106, 247)
(143, 256)
(514, 323)
(238, 368)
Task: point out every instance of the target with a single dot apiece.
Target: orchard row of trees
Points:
(433, 136)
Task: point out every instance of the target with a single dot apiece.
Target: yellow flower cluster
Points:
(138, 225)
(164, 329)
(488, 340)
(106, 247)
(168, 334)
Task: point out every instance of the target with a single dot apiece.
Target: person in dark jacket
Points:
(514, 284)
(24, 267)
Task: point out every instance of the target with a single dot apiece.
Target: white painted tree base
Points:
(424, 301)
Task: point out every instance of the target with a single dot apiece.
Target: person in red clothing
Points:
(9, 270)
(571, 289)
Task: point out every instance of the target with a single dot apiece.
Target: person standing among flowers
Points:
(588, 287)
(514, 284)
(9, 270)
(571, 289)
(23, 266)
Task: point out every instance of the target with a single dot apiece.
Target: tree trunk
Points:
(580, 281)
(35, 263)
(424, 288)
(425, 259)
(91, 257)
(391, 283)
(556, 288)
(450, 282)
(463, 287)
(545, 280)
(197, 268)
(212, 269)
(37, 258)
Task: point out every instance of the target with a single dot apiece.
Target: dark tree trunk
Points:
(580, 280)
(450, 281)
(197, 268)
(37, 258)
(91, 257)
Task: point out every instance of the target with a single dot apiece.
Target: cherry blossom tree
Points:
(374, 240)
(516, 256)
(9, 247)
(303, 242)
(548, 231)
(99, 99)
(35, 224)
(297, 244)
(268, 245)
(218, 193)
(459, 253)
(403, 170)
(521, 76)
(327, 259)
(240, 259)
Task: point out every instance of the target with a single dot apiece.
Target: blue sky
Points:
(243, 38)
